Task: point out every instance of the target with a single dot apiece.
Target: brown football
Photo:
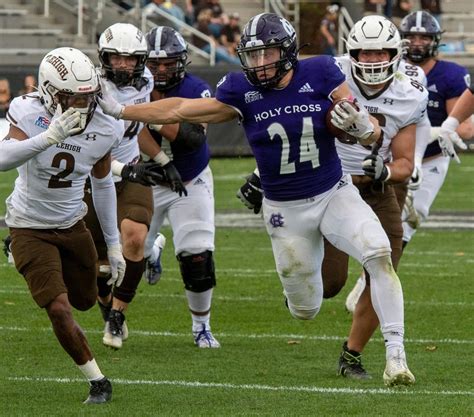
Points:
(339, 134)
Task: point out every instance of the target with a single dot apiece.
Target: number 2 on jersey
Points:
(308, 150)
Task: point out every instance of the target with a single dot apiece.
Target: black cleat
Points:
(350, 364)
(99, 392)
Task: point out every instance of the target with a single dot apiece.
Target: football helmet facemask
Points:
(374, 33)
(421, 23)
(126, 40)
(166, 47)
(267, 49)
(68, 77)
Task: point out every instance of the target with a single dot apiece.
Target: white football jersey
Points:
(49, 189)
(423, 127)
(414, 72)
(128, 150)
(402, 103)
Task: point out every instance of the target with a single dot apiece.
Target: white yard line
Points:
(431, 303)
(323, 338)
(253, 387)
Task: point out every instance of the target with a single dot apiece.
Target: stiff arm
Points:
(176, 109)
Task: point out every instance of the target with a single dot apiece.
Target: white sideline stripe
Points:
(255, 387)
(324, 338)
(20, 290)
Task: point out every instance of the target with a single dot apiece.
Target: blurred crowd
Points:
(395, 10)
(208, 16)
(6, 94)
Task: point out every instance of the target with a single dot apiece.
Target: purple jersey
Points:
(446, 80)
(188, 163)
(286, 129)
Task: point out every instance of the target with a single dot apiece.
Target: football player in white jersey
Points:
(54, 155)
(399, 103)
(282, 103)
(403, 191)
(123, 52)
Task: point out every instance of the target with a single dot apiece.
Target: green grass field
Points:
(269, 363)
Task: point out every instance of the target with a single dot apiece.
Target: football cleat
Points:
(409, 213)
(105, 311)
(114, 333)
(397, 372)
(99, 392)
(354, 295)
(6, 249)
(204, 339)
(350, 364)
(153, 267)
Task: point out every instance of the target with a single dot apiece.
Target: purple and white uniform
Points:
(306, 194)
(192, 217)
(445, 81)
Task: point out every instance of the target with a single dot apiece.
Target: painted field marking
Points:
(254, 387)
(324, 338)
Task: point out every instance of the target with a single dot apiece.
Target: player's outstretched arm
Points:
(169, 110)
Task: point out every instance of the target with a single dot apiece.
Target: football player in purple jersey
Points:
(191, 218)
(282, 104)
(446, 82)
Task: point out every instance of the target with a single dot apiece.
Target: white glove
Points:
(355, 122)
(448, 138)
(107, 101)
(117, 264)
(63, 125)
(416, 178)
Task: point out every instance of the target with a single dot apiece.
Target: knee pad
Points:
(197, 271)
(303, 314)
(379, 265)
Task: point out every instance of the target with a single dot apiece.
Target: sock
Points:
(387, 300)
(197, 302)
(91, 370)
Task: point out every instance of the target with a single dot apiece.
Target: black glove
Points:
(251, 193)
(144, 173)
(6, 245)
(375, 167)
(174, 179)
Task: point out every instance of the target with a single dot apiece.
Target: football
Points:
(339, 134)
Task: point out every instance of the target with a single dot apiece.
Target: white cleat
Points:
(354, 295)
(409, 213)
(397, 372)
(116, 330)
(204, 339)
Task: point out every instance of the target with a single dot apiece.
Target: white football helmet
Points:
(126, 40)
(374, 33)
(68, 77)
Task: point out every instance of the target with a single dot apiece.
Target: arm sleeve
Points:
(105, 204)
(14, 153)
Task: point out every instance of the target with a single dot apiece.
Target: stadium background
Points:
(29, 28)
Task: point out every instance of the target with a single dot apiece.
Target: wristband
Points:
(161, 158)
(117, 167)
(156, 128)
